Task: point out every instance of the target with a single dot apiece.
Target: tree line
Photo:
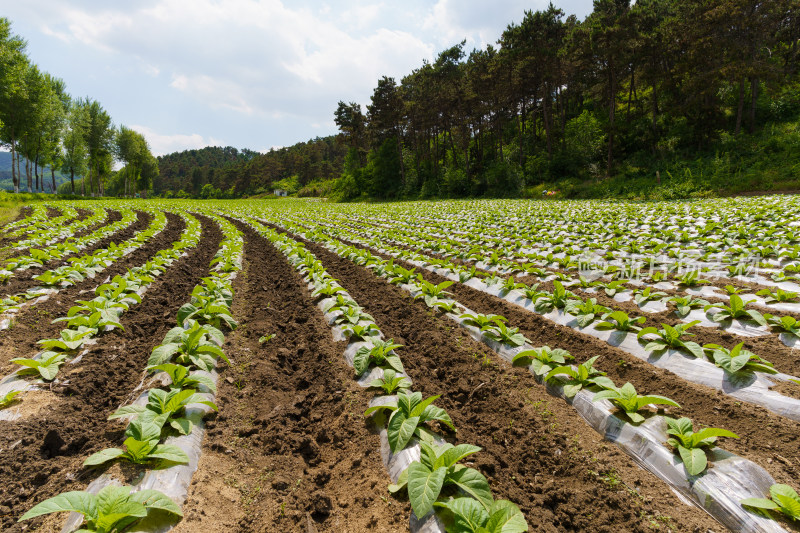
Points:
(47, 128)
(632, 85)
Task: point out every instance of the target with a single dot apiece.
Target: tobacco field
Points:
(485, 366)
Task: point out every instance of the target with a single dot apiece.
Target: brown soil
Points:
(537, 451)
(23, 280)
(42, 457)
(289, 450)
(35, 322)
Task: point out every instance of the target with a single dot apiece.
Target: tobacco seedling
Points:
(480, 321)
(777, 296)
(542, 360)
(182, 379)
(360, 331)
(446, 306)
(70, 339)
(784, 500)
(352, 315)
(730, 290)
(402, 276)
(670, 337)
(626, 399)
(172, 403)
(141, 445)
(469, 516)
(499, 332)
(647, 295)
(391, 382)
(198, 345)
(620, 321)
(266, 338)
(737, 359)
(736, 309)
(584, 376)
(47, 366)
(207, 310)
(113, 509)
(684, 304)
(9, 398)
(557, 299)
(691, 279)
(327, 288)
(379, 354)
(533, 293)
(437, 469)
(408, 417)
(691, 445)
(613, 287)
(94, 321)
(786, 324)
(586, 311)
(432, 293)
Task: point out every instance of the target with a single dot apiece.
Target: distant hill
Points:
(7, 183)
(245, 172)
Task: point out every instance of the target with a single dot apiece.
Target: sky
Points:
(255, 74)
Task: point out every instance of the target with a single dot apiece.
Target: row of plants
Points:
(37, 215)
(614, 278)
(589, 311)
(437, 481)
(88, 265)
(185, 357)
(46, 231)
(89, 318)
(550, 365)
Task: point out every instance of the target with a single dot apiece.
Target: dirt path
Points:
(290, 449)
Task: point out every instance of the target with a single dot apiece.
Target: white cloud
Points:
(161, 144)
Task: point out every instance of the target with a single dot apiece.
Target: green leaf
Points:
(154, 499)
(424, 487)
(759, 503)
(505, 517)
(694, 460)
(77, 501)
(473, 483)
(456, 454)
(361, 360)
(469, 515)
(103, 456)
(168, 452)
(400, 430)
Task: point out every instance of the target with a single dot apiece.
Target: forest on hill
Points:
(657, 98)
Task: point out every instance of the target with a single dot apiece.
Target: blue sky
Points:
(245, 73)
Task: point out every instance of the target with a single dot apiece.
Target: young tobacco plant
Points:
(9, 398)
(499, 332)
(379, 354)
(469, 516)
(736, 310)
(647, 295)
(363, 332)
(480, 321)
(391, 382)
(70, 339)
(438, 469)
(670, 337)
(684, 304)
(46, 366)
(737, 359)
(207, 309)
(777, 296)
(626, 399)
(432, 293)
(613, 287)
(586, 311)
(691, 445)
(542, 360)
(181, 378)
(198, 345)
(584, 376)
(785, 324)
(408, 416)
(172, 403)
(784, 499)
(620, 321)
(555, 300)
(141, 445)
(111, 510)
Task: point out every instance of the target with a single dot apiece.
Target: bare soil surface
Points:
(289, 449)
